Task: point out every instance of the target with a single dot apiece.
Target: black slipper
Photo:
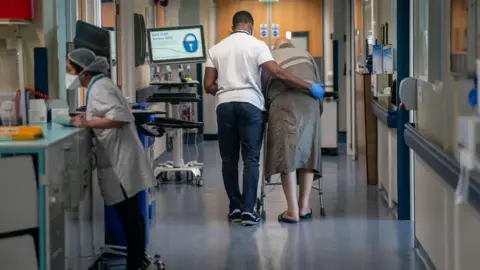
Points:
(307, 216)
(283, 219)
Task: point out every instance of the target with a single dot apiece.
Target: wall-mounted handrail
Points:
(387, 117)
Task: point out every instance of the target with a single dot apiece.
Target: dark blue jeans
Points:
(240, 126)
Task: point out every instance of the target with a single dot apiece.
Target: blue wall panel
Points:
(403, 71)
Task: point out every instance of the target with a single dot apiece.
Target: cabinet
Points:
(62, 182)
(68, 173)
(366, 128)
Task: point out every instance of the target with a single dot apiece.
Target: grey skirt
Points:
(293, 135)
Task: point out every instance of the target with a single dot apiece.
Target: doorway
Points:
(299, 39)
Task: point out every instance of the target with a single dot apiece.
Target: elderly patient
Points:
(293, 136)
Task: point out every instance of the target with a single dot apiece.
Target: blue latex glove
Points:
(472, 97)
(317, 90)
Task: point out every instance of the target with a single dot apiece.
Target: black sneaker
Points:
(235, 216)
(152, 263)
(249, 219)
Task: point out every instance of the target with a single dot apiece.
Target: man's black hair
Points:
(242, 17)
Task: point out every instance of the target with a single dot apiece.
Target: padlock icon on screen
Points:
(190, 43)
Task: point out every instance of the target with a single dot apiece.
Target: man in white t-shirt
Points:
(232, 74)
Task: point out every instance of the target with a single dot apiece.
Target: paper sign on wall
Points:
(263, 30)
(388, 59)
(377, 59)
(275, 30)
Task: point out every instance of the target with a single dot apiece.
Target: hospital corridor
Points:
(239, 134)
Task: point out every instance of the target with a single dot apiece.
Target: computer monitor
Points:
(177, 45)
(93, 38)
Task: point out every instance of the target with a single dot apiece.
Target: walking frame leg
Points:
(264, 179)
(320, 193)
(262, 201)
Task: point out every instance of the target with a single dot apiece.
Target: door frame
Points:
(351, 59)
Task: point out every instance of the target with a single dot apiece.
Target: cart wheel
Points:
(178, 176)
(199, 180)
(101, 264)
(322, 212)
(158, 263)
(160, 178)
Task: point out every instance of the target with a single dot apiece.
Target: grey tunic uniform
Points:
(123, 167)
(293, 135)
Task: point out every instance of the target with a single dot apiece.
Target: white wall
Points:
(208, 19)
(40, 33)
(386, 12)
(447, 232)
(434, 215)
(171, 13)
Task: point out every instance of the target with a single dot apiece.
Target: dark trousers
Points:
(240, 126)
(134, 228)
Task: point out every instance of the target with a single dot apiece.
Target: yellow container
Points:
(21, 133)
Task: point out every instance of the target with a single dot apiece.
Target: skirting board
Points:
(424, 256)
(384, 195)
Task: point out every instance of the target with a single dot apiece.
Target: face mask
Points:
(72, 82)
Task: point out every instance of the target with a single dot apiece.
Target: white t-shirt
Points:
(237, 60)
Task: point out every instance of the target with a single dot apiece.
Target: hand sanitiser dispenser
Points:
(8, 113)
(8, 109)
(409, 93)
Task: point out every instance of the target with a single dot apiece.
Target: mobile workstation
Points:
(173, 50)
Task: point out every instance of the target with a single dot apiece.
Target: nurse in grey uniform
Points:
(123, 167)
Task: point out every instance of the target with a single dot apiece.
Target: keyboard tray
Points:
(174, 98)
